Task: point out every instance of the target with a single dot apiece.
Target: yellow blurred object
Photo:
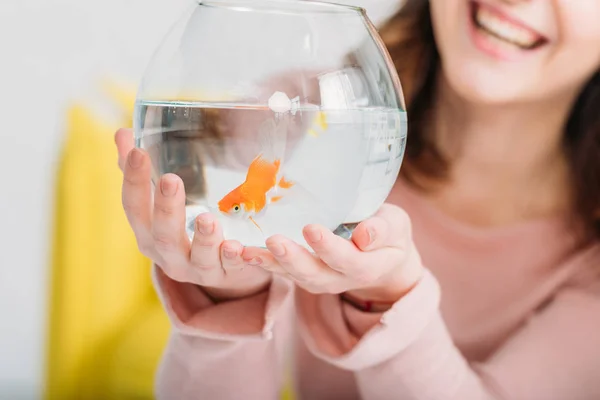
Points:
(101, 291)
(107, 326)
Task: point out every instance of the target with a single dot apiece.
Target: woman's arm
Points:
(408, 353)
(228, 350)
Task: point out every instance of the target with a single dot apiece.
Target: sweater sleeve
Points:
(223, 351)
(407, 352)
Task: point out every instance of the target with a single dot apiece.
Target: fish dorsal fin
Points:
(267, 139)
(272, 138)
(261, 173)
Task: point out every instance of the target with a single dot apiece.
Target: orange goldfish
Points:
(260, 188)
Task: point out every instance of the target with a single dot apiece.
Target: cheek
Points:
(578, 51)
(445, 21)
(471, 74)
(474, 74)
(567, 64)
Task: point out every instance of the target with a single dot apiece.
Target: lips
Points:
(501, 27)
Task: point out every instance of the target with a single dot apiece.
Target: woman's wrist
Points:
(365, 305)
(381, 298)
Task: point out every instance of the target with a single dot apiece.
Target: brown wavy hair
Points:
(410, 41)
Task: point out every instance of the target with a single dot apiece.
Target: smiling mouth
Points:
(490, 22)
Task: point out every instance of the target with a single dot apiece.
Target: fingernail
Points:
(255, 262)
(168, 187)
(135, 158)
(205, 226)
(277, 249)
(229, 253)
(314, 234)
(371, 233)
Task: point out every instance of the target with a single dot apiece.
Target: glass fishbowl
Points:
(276, 114)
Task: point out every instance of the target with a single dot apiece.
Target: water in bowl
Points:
(335, 167)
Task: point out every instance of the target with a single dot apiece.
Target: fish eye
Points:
(236, 208)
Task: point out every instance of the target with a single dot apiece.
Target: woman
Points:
(480, 277)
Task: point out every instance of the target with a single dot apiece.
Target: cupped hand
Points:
(375, 265)
(158, 222)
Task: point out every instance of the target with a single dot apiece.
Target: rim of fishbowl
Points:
(296, 6)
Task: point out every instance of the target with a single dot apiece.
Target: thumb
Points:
(389, 227)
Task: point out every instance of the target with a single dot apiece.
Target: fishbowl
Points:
(275, 114)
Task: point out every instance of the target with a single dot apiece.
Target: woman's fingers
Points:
(168, 225)
(389, 227)
(125, 143)
(345, 257)
(231, 256)
(159, 222)
(371, 234)
(338, 253)
(137, 199)
(299, 263)
(205, 252)
(208, 237)
(259, 257)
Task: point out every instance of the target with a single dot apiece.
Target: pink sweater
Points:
(509, 313)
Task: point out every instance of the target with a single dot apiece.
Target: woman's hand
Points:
(373, 266)
(159, 225)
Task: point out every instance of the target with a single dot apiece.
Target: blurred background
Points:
(79, 317)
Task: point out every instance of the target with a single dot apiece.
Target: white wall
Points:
(49, 52)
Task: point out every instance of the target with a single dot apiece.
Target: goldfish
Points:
(260, 188)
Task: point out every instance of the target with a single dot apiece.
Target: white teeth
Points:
(504, 29)
(499, 44)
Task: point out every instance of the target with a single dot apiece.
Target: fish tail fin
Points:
(280, 191)
(304, 201)
(284, 183)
